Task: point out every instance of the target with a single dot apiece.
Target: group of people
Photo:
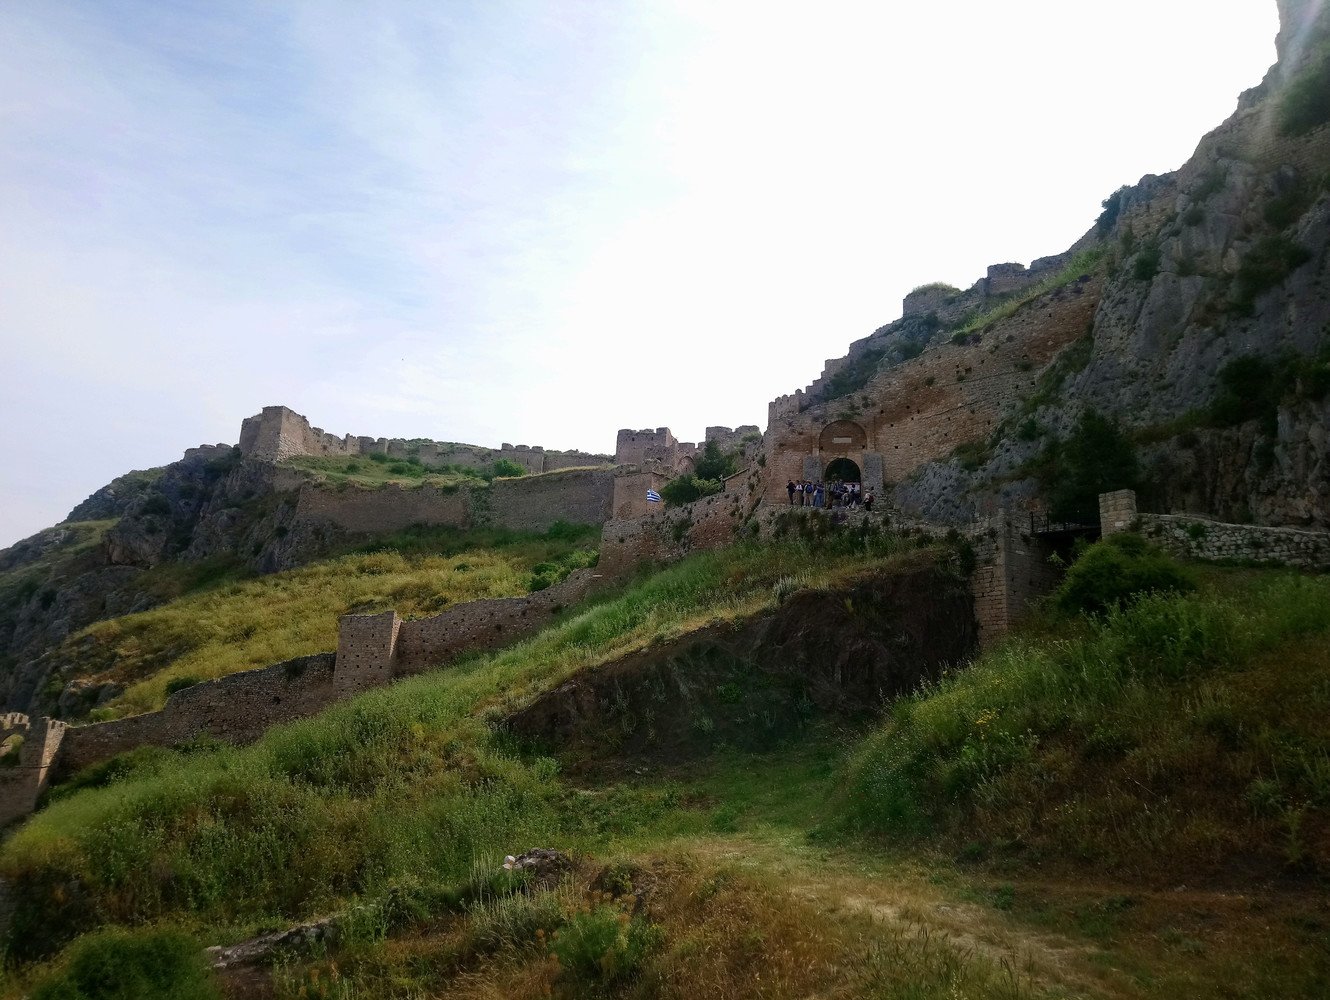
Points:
(833, 494)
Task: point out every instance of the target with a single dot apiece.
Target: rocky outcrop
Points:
(115, 497)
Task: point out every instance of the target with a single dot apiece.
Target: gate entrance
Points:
(843, 469)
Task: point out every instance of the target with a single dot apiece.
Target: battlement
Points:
(656, 448)
(279, 433)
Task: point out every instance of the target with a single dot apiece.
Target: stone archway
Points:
(844, 469)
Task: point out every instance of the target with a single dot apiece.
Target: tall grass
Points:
(403, 783)
(986, 752)
(243, 625)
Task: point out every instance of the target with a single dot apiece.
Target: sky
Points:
(502, 220)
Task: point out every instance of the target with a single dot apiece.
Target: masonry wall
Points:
(21, 784)
(672, 533)
(950, 395)
(387, 508)
(583, 496)
(1117, 511)
(238, 708)
(279, 433)
(1197, 537)
(484, 625)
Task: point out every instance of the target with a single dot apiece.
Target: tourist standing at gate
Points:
(789, 488)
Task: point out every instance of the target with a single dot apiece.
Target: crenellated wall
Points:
(279, 433)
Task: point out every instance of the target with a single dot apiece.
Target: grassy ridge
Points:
(1132, 741)
(241, 625)
(403, 783)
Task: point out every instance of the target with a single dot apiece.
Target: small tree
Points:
(714, 463)
(688, 488)
(1097, 458)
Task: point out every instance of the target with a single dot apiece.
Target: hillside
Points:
(322, 716)
(1013, 830)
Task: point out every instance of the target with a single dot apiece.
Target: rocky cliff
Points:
(1210, 339)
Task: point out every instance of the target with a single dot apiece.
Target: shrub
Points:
(1112, 209)
(715, 464)
(1116, 571)
(179, 684)
(1097, 458)
(1266, 265)
(604, 945)
(687, 488)
(131, 965)
(504, 469)
(1146, 264)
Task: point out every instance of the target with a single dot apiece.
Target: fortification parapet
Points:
(785, 407)
(279, 433)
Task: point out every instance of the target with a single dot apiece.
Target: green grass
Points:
(396, 808)
(1123, 739)
(404, 783)
(1083, 263)
(366, 470)
(241, 625)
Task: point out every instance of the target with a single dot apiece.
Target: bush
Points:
(179, 684)
(604, 945)
(1266, 265)
(504, 469)
(715, 464)
(546, 574)
(1118, 570)
(1112, 209)
(131, 965)
(1146, 264)
(1097, 458)
(688, 488)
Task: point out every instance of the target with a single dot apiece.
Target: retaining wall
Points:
(531, 503)
(238, 709)
(1201, 538)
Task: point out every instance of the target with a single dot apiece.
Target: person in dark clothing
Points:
(789, 488)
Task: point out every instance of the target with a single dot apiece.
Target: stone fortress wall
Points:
(1194, 536)
(528, 503)
(1012, 568)
(279, 433)
(922, 410)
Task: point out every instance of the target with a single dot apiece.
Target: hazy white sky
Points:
(532, 222)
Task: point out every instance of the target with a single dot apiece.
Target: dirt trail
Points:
(902, 899)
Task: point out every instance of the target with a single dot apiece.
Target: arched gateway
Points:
(843, 470)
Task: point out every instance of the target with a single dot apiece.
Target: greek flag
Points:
(653, 496)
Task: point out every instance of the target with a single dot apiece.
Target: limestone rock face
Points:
(1227, 258)
(115, 497)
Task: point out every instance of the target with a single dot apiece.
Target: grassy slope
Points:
(239, 625)
(368, 472)
(761, 889)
